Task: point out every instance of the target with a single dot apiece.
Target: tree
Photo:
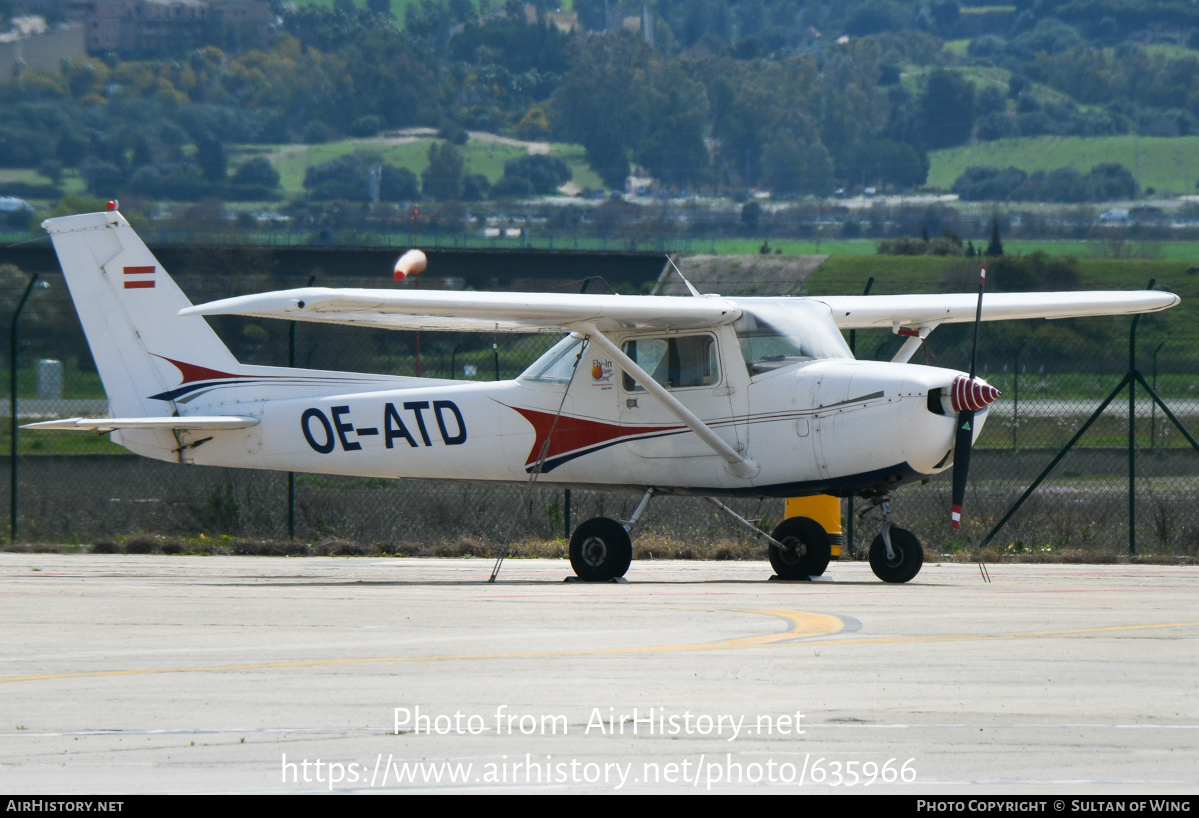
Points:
(673, 111)
(947, 110)
(346, 177)
(600, 99)
(591, 14)
(995, 246)
(1110, 181)
(442, 179)
(883, 161)
(398, 185)
(544, 174)
(257, 171)
(751, 215)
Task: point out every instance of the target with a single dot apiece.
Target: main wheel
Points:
(600, 550)
(906, 563)
(805, 552)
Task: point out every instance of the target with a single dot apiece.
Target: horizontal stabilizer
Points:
(195, 424)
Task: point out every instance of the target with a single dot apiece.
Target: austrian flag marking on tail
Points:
(139, 278)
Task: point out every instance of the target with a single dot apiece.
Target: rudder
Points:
(129, 308)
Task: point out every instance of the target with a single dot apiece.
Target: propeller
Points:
(968, 396)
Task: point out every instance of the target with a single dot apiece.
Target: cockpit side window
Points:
(774, 335)
(675, 362)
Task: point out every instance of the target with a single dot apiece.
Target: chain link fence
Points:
(77, 487)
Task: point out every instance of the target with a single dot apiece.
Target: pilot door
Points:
(692, 369)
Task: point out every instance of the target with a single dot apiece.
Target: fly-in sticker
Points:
(601, 373)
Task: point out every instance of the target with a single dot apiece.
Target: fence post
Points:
(291, 475)
(853, 337)
(1132, 431)
(12, 400)
(1153, 404)
(1016, 401)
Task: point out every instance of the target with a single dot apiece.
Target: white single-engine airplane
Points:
(708, 396)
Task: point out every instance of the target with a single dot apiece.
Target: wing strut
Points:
(915, 337)
(738, 464)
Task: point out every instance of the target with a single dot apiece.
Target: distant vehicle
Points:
(708, 396)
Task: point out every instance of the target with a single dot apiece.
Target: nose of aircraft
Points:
(972, 393)
(884, 415)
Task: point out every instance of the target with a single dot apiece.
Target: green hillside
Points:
(1168, 165)
(481, 156)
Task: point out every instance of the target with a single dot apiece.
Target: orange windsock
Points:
(410, 264)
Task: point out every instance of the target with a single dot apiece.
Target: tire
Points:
(909, 556)
(807, 550)
(600, 550)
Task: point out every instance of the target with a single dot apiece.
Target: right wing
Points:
(865, 311)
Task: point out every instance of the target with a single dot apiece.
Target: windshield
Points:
(775, 333)
(556, 364)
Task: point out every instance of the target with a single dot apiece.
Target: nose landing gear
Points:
(895, 554)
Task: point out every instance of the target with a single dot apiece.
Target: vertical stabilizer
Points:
(129, 308)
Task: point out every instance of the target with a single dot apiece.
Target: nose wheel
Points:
(895, 554)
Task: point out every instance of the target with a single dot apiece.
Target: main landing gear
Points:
(802, 549)
(601, 549)
(895, 554)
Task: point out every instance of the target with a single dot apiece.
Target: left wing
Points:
(865, 311)
(477, 311)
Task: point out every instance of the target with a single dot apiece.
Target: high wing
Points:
(548, 312)
(477, 311)
(866, 311)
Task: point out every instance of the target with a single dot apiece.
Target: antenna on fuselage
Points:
(694, 291)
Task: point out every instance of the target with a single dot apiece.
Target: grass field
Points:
(1153, 251)
(483, 157)
(27, 176)
(914, 77)
(398, 7)
(1168, 165)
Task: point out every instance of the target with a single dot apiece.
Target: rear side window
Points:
(674, 362)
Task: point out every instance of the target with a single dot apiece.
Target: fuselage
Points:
(816, 425)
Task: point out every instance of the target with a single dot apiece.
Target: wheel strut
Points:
(885, 502)
(753, 529)
(630, 525)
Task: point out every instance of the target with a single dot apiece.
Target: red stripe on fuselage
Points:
(576, 433)
(192, 373)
